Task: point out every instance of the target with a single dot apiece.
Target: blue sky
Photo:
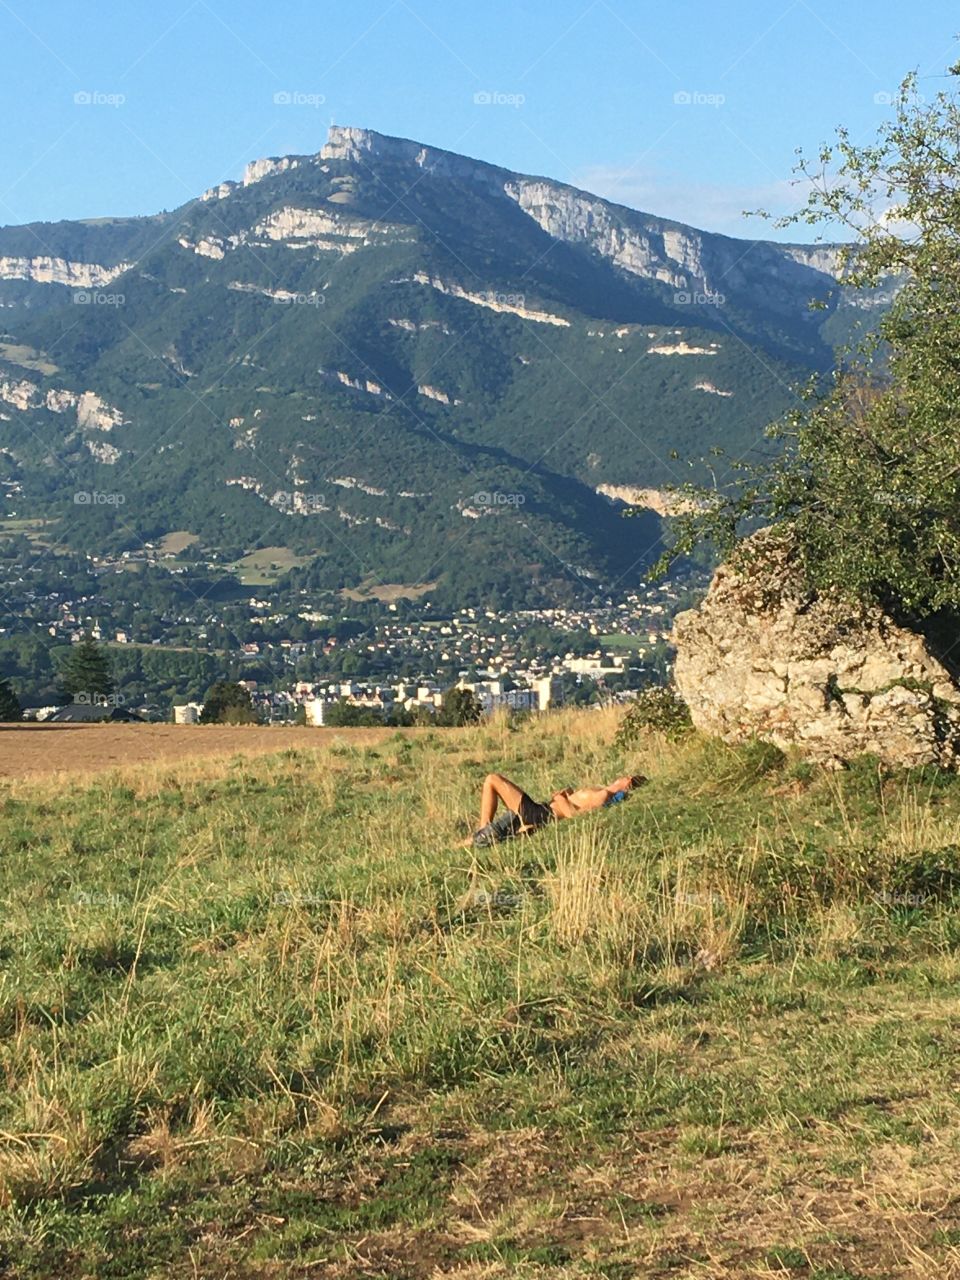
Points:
(125, 108)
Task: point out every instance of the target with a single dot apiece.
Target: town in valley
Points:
(173, 627)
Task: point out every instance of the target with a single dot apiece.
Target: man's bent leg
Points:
(497, 787)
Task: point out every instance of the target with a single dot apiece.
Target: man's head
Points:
(628, 782)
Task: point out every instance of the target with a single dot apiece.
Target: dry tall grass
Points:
(229, 972)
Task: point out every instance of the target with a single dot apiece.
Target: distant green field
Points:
(177, 541)
(264, 1018)
(16, 525)
(618, 640)
(27, 358)
(388, 592)
(37, 531)
(262, 567)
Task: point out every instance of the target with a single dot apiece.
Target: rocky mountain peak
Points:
(257, 170)
(481, 307)
(364, 146)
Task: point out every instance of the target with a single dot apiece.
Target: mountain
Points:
(402, 364)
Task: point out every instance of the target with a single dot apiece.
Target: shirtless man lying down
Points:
(522, 816)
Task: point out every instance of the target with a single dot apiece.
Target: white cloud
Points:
(710, 206)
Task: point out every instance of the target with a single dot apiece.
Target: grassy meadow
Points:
(263, 1018)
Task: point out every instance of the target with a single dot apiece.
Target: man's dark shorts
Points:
(508, 824)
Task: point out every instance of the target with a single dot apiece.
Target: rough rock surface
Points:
(43, 270)
(658, 500)
(509, 303)
(706, 267)
(763, 656)
(360, 146)
(257, 170)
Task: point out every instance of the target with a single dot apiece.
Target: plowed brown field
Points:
(33, 749)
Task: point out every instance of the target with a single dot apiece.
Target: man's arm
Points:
(586, 798)
(561, 806)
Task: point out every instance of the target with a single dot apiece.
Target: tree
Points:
(227, 703)
(344, 715)
(459, 707)
(399, 717)
(578, 691)
(85, 673)
(9, 703)
(868, 481)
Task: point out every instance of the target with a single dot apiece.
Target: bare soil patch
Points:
(33, 749)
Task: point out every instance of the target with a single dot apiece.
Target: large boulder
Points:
(763, 656)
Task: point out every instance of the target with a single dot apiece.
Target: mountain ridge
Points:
(354, 144)
(419, 321)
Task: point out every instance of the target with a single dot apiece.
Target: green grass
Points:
(267, 565)
(177, 541)
(620, 640)
(264, 1018)
(27, 358)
